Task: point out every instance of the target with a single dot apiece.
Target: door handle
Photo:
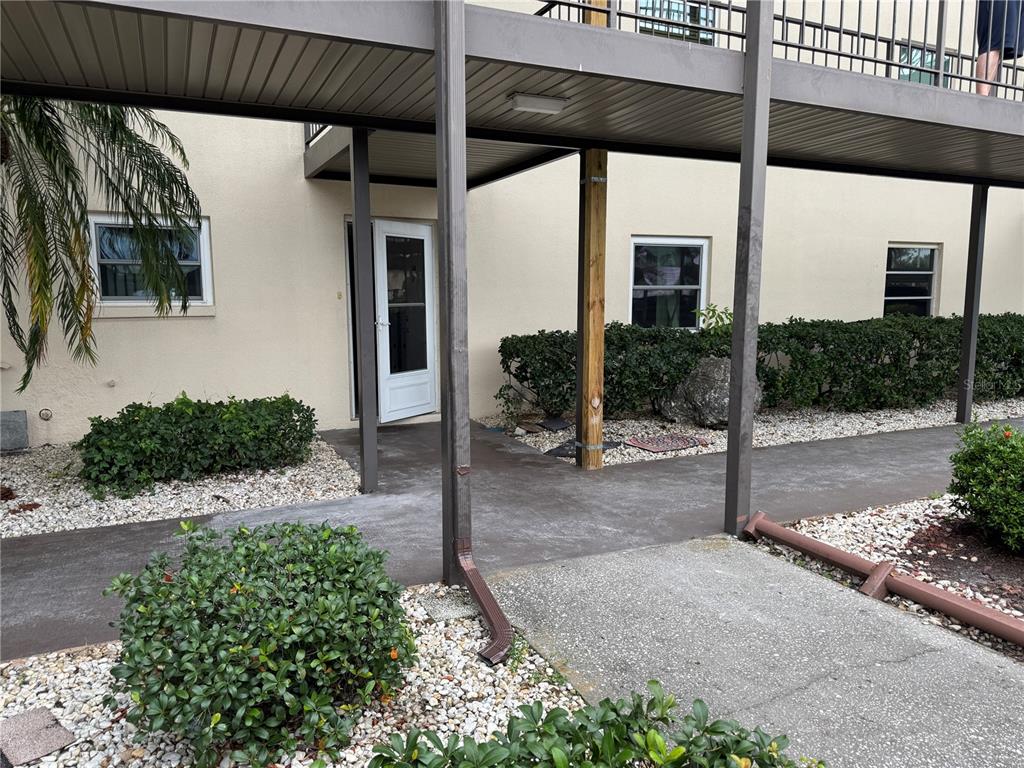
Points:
(381, 324)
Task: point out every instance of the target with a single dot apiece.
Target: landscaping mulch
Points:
(955, 550)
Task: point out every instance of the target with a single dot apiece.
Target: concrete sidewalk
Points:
(527, 508)
(852, 680)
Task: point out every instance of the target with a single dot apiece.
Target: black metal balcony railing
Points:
(918, 41)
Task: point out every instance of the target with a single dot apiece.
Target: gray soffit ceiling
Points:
(410, 159)
(371, 64)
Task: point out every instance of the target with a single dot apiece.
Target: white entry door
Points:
(403, 262)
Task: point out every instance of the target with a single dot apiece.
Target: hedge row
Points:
(890, 362)
(186, 439)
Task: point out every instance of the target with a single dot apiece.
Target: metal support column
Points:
(746, 295)
(972, 302)
(458, 565)
(450, 75)
(366, 330)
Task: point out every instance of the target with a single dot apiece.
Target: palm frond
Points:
(53, 153)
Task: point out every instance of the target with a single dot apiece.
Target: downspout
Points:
(501, 631)
(456, 513)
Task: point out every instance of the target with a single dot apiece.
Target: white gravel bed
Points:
(883, 533)
(449, 690)
(48, 476)
(772, 427)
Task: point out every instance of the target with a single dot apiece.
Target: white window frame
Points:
(205, 266)
(702, 290)
(933, 296)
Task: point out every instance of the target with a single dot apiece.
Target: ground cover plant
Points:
(628, 732)
(889, 362)
(261, 644)
(988, 482)
(187, 439)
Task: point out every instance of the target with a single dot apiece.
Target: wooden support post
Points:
(590, 300)
(590, 309)
(972, 305)
(747, 290)
(596, 18)
(450, 77)
(366, 332)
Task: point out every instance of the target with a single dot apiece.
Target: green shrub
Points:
(618, 734)
(890, 362)
(261, 646)
(640, 365)
(988, 481)
(188, 439)
(543, 364)
(999, 370)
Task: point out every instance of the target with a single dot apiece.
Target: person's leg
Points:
(987, 69)
(988, 63)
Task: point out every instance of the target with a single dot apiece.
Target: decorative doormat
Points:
(665, 443)
(567, 450)
(555, 424)
(530, 427)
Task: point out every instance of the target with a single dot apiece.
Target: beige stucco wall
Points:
(278, 266)
(825, 244)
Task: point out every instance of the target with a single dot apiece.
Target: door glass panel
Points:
(408, 338)
(407, 309)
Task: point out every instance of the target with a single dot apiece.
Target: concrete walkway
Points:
(849, 679)
(527, 507)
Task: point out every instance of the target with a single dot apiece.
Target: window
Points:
(910, 279)
(119, 268)
(913, 57)
(699, 14)
(669, 279)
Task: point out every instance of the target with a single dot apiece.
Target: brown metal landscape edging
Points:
(501, 630)
(881, 580)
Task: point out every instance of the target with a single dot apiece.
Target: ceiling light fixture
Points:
(542, 105)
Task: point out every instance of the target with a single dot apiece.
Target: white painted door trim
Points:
(408, 393)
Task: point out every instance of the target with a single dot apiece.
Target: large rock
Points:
(704, 395)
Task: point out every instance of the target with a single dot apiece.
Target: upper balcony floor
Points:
(855, 85)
